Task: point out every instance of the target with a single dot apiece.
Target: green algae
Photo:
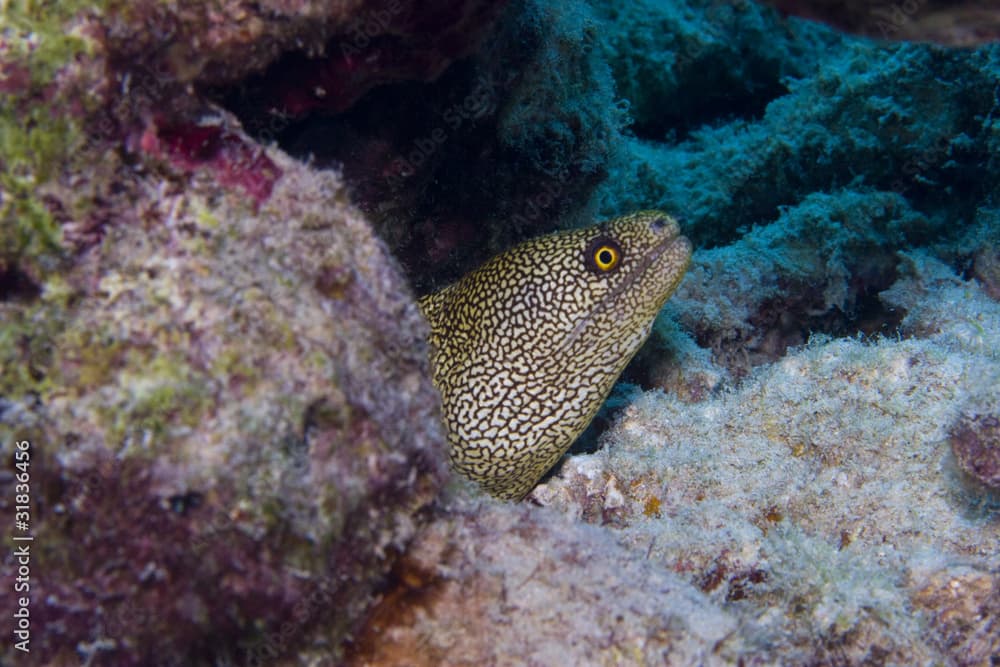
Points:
(88, 358)
(236, 363)
(36, 143)
(30, 149)
(26, 349)
(159, 396)
(27, 339)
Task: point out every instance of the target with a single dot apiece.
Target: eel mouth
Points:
(675, 244)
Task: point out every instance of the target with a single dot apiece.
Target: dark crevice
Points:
(15, 285)
(715, 98)
(439, 167)
(425, 154)
(460, 163)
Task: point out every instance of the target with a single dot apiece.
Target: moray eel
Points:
(525, 348)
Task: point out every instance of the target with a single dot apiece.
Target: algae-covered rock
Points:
(229, 411)
(334, 51)
(818, 267)
(504, 585)
(682, 65)
(739, 116)
(820, 501)
(864, 116)
(218, 370)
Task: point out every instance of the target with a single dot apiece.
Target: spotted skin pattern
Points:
(526, 348)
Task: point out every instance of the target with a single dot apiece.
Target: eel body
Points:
(527, 347)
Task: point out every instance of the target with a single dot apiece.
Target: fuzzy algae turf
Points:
(40, 122)
(824, 486)
(199, 374)
(190, 385)
(196, 401)
(527, 347)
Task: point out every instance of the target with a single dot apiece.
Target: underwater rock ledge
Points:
(221, 372)
(233, 426)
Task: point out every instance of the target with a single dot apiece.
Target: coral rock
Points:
(504, 585)
(233, 425)
(965, 607)
(975, 441)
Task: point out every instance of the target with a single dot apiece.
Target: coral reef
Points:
(236, 448)
(231, 415)
(684, 65)
(847, 114)
(75, 74)
(818, 267)
(834, 154)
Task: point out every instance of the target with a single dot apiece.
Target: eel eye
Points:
(603, 255)
(606, 258)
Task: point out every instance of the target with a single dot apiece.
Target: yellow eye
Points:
(603, 255)
(606, 257)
